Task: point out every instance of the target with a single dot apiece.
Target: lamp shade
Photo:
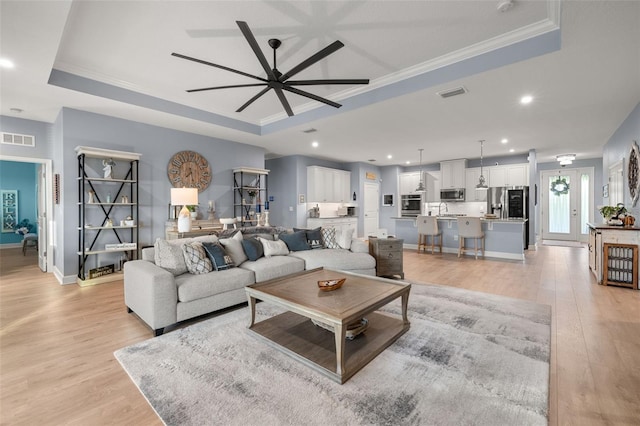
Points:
(184, 196)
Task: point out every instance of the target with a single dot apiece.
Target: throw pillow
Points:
(196, 258)
(219, 258)
(329, 238)
(252, 248)
(169, 257)
(274, 248)
(233, 247)
(296, 241)
(314, 236)
(344, 238)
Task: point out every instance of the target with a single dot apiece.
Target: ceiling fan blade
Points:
(256, 49)
(311, 96)
(252, 100)
(312, 59)
(233, 86)
(321, 82)
(211, 64)
(283, 101)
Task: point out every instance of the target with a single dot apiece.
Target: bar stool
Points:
(428, 227)
(29, 240)
(470, 227)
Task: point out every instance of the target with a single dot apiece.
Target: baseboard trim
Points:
(10, 245)
(494, 254)
(63, 280)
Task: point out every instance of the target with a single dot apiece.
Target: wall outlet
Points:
(290, 208)
(455, 238)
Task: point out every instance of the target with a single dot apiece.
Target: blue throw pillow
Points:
(220, 259)
(252, 248)
(314, 236)
(296, 241)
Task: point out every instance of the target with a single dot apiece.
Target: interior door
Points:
(42, 217)
(371, 209)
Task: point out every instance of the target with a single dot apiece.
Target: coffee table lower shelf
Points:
(298, 337)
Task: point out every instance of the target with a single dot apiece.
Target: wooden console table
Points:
(613, 254)
(198, 228)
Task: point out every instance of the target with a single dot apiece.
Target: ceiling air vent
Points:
(17, 139)
(452, 92)
(311, 130)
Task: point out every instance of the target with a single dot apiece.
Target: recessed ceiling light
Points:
(389, 156)
(526, 99)
(512, 150)
(6, 63)
(504, 140)
(315, 144)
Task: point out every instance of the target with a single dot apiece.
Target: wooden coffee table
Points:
(294, 333)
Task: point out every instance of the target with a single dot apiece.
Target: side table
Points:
(388, 254)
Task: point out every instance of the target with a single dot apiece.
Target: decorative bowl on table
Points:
(330, 285)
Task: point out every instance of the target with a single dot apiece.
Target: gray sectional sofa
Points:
(159, 290)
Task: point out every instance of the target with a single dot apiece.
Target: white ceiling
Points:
(583, 90)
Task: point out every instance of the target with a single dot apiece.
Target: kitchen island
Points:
(503, 238)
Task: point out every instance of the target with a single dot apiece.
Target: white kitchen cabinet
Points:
(471, 193)
(509, 175)
(325, 185)
(452, 174)
(409, 182)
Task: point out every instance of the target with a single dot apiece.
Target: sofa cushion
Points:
(329, 238)
(314, 236)
(274, 267)
(344, 237)
(219, 257)
(233, 247)
(339, 259)
(296, 241)
(193, 287)
(274, 248)
(252, 248)
(196, 258)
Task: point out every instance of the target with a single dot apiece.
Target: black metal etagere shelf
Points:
(250, 194)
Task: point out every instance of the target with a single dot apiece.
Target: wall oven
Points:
(410, 205)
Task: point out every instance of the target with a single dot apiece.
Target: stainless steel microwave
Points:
(452, 194)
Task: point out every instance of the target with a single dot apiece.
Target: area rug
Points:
(468, 358)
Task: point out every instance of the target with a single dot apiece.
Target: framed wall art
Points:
(9, 212)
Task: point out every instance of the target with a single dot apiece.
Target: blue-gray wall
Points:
(618, 148)
(41, 131)
(21, 177)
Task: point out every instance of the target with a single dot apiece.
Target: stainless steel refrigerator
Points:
(510, 203)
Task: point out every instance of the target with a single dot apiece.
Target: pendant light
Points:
(421, 187)
(482, 183)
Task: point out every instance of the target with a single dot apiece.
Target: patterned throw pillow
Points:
(329, 238)
(296, 241)
(344, 238)
(314, 236)
(219, 258)
(196, 258)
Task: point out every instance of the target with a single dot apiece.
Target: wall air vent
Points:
(452, 92)
(311, 130)
(17, 139)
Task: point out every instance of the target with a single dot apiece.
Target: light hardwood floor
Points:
(57, 342)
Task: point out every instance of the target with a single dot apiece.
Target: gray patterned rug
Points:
(468, 358)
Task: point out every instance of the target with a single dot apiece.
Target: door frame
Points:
(48, 205)
(580, 237)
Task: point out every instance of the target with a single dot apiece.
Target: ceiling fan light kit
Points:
(275, 79)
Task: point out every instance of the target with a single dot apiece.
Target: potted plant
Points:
(194, 213)
(613, 213)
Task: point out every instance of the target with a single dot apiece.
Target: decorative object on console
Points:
(212, 210)
(614, 215)
(184, 197)
(189, 169)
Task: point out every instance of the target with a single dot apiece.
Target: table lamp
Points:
(184, 197)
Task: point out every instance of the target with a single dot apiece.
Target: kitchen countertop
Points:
(482, 219)
(612, 227)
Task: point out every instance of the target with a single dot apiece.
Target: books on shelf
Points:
(121, 246)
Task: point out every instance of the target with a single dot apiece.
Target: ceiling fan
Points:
(275, 79)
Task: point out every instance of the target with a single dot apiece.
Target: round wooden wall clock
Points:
(633, 173)
(189, 169)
